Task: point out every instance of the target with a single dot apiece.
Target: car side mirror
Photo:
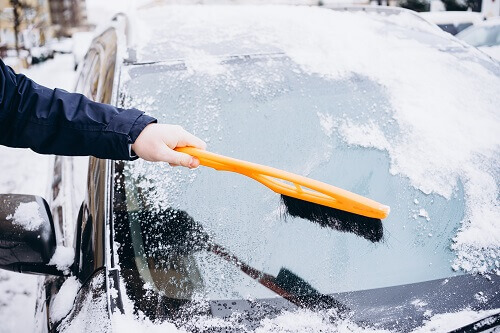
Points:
(27, 236)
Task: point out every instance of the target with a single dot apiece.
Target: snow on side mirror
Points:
(27, 236)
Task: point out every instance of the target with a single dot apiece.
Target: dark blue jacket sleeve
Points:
(54, 121)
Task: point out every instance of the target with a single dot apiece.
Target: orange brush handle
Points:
(301, 187)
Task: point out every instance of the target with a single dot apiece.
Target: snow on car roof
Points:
(455, 17)
(489, 22)
(444, 95)
(176, 32)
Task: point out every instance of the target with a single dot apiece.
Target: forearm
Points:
(57, 122)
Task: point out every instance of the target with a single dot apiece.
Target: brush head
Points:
(366, 227)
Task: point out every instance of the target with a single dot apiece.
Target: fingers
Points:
(193, 165)
(175, 158)
(188, 139)
(157, 141)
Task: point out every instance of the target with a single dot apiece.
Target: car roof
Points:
(161, 33)
(489, 22)
(454, 17)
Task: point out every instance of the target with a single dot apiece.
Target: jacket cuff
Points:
(129, 123)
(139, 124)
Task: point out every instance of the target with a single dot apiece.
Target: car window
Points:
(55, 202)
(93, 78)
(450, 28)
(482, 36)
(267, 110)
(462, 26)
(81, 83)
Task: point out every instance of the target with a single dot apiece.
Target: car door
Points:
(78, 199)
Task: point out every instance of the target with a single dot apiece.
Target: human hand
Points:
(156, 143)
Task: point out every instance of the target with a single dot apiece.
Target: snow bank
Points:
(27, 215)
(17, 302)
(445, 104)
(63, 301)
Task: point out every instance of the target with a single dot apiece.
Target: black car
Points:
(215, 251)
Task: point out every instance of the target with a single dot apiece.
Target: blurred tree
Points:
(475, 5)
(455, 5)
(450, 5)
(462, 5)
(18, 8)
(416, 5)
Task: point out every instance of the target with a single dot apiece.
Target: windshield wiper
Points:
(182, 235)
(480, 325)
(286, 284)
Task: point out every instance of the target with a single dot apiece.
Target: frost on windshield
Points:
(204, 77)
(444, 104)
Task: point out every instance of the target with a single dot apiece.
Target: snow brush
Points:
(343, 205)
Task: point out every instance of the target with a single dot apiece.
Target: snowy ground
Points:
(23, 171)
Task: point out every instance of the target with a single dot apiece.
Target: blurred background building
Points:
(68, 16)
(27, 27)
(24, 24)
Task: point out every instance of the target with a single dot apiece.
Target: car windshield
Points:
(267, 110)
(415, 136)
(482, 35)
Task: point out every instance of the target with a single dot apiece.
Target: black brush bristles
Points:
(366, 227)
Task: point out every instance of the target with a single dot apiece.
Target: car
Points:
(40, 54)
(394, 110)
(485, 36)
(81, 41)
(453, 21)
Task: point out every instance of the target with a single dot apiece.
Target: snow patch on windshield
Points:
(309, 321)
(435, 163)
(423, 213)
(326, 122)
(27, 215)
(198, 61)
(299, 321)
(446, 322)
(123, 323)
(365, 135)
